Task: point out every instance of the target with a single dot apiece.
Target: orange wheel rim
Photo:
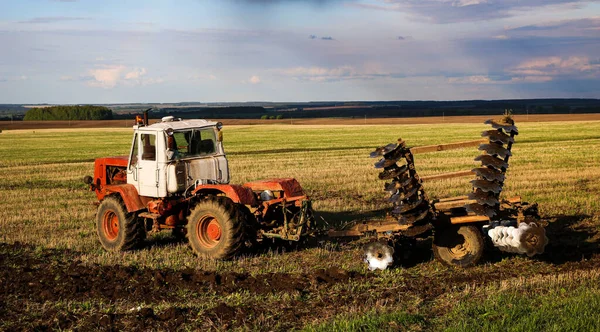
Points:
(208, 231)
(110, 225)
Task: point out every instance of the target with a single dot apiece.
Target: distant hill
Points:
(381, 109)
(304, 110)
(71, 112)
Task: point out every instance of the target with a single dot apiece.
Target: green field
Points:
(45, 205)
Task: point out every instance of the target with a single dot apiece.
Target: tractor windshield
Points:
(191, 143)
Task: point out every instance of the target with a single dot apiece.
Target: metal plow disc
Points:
(495, 149)
(413, 217)
(491, 161)
(489, 174)
(481, 210)
(383, 150)
(487, 186)
(379, 256)
(385, 163)
(484, 198)
(527, 238)
(507, 127)
(404, 207)
(497, 136)
(393, 172)
(398, 183)
(534, 239)
(402, 195)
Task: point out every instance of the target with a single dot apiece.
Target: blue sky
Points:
(89, 51)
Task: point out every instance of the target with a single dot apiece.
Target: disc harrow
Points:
(458, 224)
(411, 204)
(494, 161)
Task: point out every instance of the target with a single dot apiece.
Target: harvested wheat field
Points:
(55, 274)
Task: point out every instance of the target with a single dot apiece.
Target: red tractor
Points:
(176, 177)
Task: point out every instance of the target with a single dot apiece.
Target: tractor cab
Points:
(171, 156)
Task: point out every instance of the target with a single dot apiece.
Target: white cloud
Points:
(579, 66)
(531, 79)
(202, 77)
(452, 11)
(475, 79)
(464, 3)
(323, 74)
(254, 79)
(109, 76)
(135, 74)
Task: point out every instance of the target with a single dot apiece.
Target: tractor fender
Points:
(129, 195)
(237, 193)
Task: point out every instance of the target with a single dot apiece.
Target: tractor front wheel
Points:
(215, 229)
(460, 246)
(118, 229)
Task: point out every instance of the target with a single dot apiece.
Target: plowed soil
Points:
(41, 276)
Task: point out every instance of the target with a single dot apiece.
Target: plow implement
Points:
(460, 225)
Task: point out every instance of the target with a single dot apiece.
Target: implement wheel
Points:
(460, 246)
(118, 229)
(214, 228)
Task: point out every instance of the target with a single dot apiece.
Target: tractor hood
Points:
(120, 161)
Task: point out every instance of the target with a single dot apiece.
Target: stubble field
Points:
(56, 275)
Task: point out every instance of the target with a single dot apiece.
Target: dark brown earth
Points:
(40, 276)
(49, 275)
(6, 125)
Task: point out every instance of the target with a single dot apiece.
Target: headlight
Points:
(266, 195)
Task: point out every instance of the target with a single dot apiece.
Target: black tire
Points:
(458, 246)
(215, 228)
(118, 230)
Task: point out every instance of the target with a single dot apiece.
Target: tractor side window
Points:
(134, 153)
(148, 147)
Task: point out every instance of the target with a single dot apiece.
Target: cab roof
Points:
(177, 124)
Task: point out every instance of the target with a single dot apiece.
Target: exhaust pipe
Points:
(146, 116)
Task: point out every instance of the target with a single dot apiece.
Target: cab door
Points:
(147, 165)
(132, 167)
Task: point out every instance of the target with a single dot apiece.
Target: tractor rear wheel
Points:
(118, 229)
(459, 246)
(215, 228)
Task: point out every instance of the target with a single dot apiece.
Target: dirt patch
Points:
(37, 276)
(51, 275)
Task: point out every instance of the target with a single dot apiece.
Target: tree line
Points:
(69, 112)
